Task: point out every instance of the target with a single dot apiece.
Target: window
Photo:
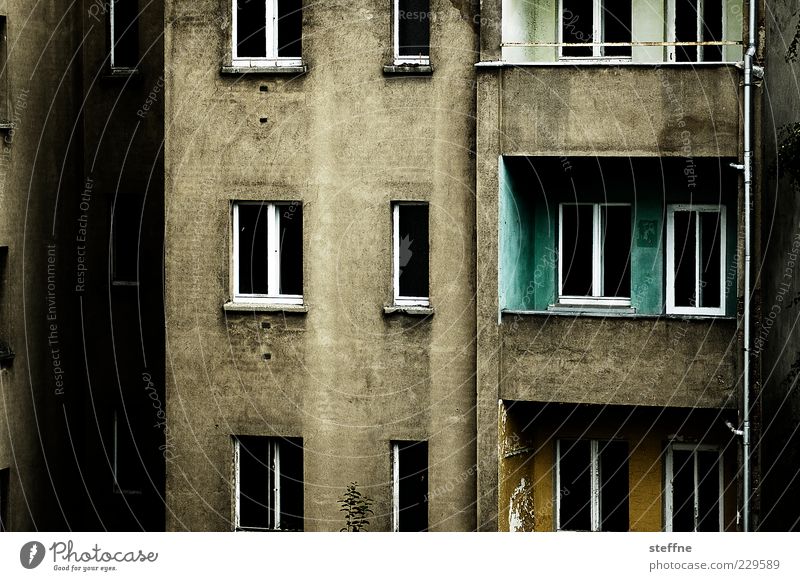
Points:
(269, 483)
(412, 31)
(694, 488)
(594, 259)
(127, 459)
(592, 485)
(409, 486)
(696, 259)
(268, 252)
(126, 222)
(267, 32)
(593, 23)
(410, 253)
(695, 21)
(4, 500)
(124, 33)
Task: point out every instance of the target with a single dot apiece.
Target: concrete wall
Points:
(777, 339)
(345, 140)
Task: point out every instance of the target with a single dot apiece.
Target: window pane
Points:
(413, 493)
(291, 248)
(617, 26)
(682, 491)
(290, 28)
(685, 259)
(252, 251)
(4, 499)
(710, 266)
(576, 486)
(291, 484)
(251, 40)
(614, 487)
(708, 490)
(616, 250)
(254, 482)
(712, 29)
(576, 250)
(686, 29)
(125, 225)
(413, 250)
(126, 33)
(413, 27)
(576, 25)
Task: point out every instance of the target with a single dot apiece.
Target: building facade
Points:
(486, 260)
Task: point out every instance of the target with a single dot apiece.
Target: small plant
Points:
(355, 506)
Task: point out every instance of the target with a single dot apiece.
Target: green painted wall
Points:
(532, 188)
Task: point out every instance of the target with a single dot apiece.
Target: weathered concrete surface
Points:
(777, 339)
(528, 441)
(651, 362)
(346, 141)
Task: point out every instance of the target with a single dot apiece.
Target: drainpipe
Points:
(748, 195)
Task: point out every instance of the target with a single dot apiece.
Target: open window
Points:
(696, 259)
(268, 252)
(267, 33)
(695, 21)
(269, 483)
(4, 474)
(694, 489)
(592, 485)
(409, 486)
(595, 29)
(410, 253)
(126, 222)
(594, 254)
(123, 17)
(412, 32)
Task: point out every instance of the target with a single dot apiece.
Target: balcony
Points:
(621, 31)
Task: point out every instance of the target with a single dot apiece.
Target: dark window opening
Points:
(577, 240)
(253, 244)
(413, 28)
(712, 29)
(593, 485)
(682, 491)
(686, 30)
(290, 28)
(291, 248)
(710, 240)
(126, 222)
(413, 250)
(270, 483)
(128, 466)
(617, 27)
(696, 491)
(685, 252)
(616, 250)
(697, 250)
(125, 33)
(697, 21)
(4, 485)
(411, 495)
(708, 491)
(577, 25)
(251, 39)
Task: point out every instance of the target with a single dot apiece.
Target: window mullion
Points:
(271, 29)
(277, 482)
(396, 487)
(696, 497)
(597, 29)
(597, 257)
(273, 250)
(699, 30)
(698, 259)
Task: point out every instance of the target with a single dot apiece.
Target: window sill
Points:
(263, 70)
(408, 69)
(231, 307)
(120, 73)
(417, 311)
(627, 313)
(6, 126)
(603, 310)
(601, 63)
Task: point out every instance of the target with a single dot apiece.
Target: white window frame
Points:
(273, 297)
(406, 59)
(112, 33)
(671, 36)
(595, 500)
(273, 491)
(668, 476)
(597, 32)
(271, 59)
(698, 208)
(400, 300)
(597, 260)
